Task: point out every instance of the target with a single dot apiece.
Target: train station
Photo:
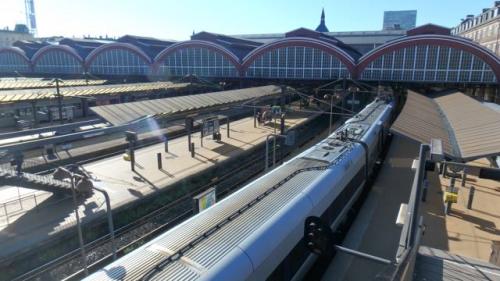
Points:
(312, 154)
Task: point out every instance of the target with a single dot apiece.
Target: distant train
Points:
(257, 232)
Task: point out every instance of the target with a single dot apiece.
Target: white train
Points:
(257, 232)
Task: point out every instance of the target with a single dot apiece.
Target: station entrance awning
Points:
(468, 129)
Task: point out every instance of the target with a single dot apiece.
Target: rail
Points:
(33, 144)
(10, 174)
(413, 224)
(15, 208)
(157, 217)
(57, 128)
(147, 138)
(180, 253)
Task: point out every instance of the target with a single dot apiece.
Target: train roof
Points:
(192, 248)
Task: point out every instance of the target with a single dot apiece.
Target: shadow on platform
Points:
(482, 224)
(136, 193)
(226, 149)
(142, 178)
(436, 235)
(52, 215)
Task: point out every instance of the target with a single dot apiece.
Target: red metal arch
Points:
(200, 44)
(116, 45)
(441, 40)
(333, 50)
(16, 51)
(52, 48)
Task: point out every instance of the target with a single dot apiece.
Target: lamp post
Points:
(61, 174)
(331, 111)
(59, 96)
(86, 184)
(86, 75)
(110, 219)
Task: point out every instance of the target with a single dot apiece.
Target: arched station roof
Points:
(116, 45)
(238, 46)
(432, 39)
(334, 50)
(244, 53)
(52, 48)
(83, 46)
(30, 47)
(149, 45)
(16, 51)
(197, 44)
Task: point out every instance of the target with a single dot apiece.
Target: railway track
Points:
(140, 231)
(152, 224)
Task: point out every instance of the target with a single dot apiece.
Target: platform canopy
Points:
(468, 129)
(9, 96)
(11, 83)
(119, 114)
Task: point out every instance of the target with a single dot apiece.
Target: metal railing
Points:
(21, 205)
(162, 218)
(412, 231)
(11, 209)
(7, 173)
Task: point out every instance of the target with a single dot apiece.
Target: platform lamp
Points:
(86, 185)
(86, 76)
(56, 82)
(61, 174)
(331, 97)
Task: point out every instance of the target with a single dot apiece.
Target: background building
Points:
(400, 19)
(8, 37)
(426, 54)
(361, 41)
(483, 28)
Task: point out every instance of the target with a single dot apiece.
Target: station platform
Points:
(374, 230)
(454, 247)
(42, 220)
(95, 146)
(466, 232)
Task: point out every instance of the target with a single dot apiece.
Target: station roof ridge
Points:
(468, 129)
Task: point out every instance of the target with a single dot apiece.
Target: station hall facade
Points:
(427, 54)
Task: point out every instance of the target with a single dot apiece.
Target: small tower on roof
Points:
(322, 26)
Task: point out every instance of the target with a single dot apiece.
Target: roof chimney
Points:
(497, 3)
(485, 10)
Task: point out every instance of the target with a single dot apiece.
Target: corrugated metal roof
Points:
(468, 129)
(39, 83)
(36, 94)
(476, 127)
(207, 238)
(214, 247)
(435, 264)
(123, 113)
(421, 120)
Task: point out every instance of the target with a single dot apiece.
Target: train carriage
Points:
(257, 232)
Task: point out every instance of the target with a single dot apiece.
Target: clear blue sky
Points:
(176, 19)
